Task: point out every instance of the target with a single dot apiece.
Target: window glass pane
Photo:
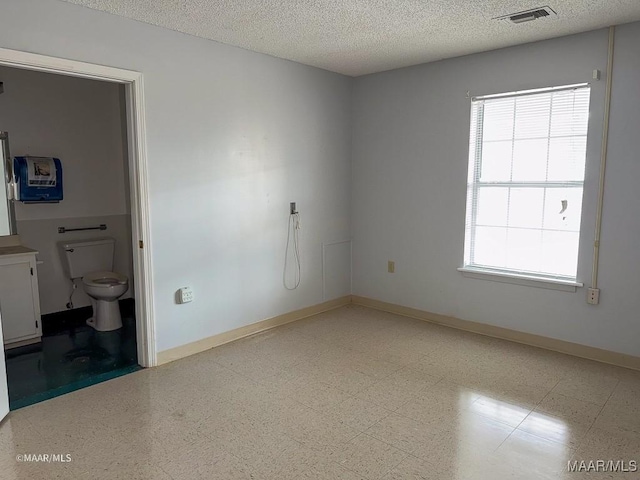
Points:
(560, 253)
(498, 120)
(563, 209)
(496, 161)
(526, 171)
(567, 159)
(570, 113)
(532, 116)
(530, 160)
(525, 207)
(490, 246)
(524, 249)
(492, 206)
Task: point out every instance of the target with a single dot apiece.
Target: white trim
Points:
(141, 224)
(475, 186)
(521, 279)
(553, 344)
(603, 160)
(72, 68)
(237, 333)
(533, 91)
(140, 219)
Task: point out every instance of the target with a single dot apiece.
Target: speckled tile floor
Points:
(349, 394)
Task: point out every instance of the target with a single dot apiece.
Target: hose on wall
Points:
(293, 227)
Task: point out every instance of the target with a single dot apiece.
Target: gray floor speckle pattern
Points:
(349, 394)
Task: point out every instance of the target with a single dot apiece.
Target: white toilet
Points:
(92, 260)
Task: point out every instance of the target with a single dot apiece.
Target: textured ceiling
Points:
(356, 37)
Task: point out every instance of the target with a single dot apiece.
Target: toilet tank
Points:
(80, 257)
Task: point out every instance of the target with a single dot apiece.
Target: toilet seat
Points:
(104, 279)
(105, 288)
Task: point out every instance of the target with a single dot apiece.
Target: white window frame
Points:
(472, 270)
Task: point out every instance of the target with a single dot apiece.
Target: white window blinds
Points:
(527, 153)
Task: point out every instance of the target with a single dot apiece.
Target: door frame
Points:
(138, 177)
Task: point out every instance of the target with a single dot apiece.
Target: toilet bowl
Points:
(105, 288)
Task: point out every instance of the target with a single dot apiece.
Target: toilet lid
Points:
(104, 279)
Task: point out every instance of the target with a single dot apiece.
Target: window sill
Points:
(517, 279)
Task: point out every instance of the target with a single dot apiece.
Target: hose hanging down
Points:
(294, 224)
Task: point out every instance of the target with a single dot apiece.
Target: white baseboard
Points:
(561, 346)
(575, 349)
(22, 343)
(182, 351)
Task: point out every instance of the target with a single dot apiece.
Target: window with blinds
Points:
(527, 154)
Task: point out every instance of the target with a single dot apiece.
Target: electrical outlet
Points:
(593, 296)
(391, 266)
(185, 295)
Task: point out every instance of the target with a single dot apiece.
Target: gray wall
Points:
(78, 121)
(410, 154)
(233, 136)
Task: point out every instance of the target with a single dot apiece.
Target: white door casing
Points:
(4, 387)
(141, 222)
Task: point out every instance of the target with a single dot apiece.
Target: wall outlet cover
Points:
(185, 295)
(593, 296)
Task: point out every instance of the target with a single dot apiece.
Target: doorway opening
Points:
(82, 125)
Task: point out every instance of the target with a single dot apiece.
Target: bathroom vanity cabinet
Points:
(19, 298)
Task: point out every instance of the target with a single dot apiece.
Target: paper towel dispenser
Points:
(38, 179)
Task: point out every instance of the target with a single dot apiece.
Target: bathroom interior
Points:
(66, 273)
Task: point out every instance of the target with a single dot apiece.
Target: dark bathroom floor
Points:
(71, 356)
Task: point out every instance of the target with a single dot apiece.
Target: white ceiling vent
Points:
(528, 15)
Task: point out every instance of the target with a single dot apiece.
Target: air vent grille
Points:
(528, 15)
